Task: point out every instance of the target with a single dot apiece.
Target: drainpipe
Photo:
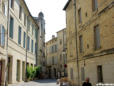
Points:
(76, 33)
(6, 67)
(26, 53)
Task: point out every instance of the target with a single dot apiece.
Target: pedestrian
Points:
(58, 81)
(87, 83)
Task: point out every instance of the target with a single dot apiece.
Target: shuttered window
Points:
(2, 36)
(32, 46)
(25, 19)
(24, 39)
(28, 23)
(20, 12)
(11, 27)
(81, 44)
(80, 16)
(97, 37)
(12, 4)
(94, 5)
(53, 60)
(19, 35)
(28, 43)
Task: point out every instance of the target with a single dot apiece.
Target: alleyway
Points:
(46, 82)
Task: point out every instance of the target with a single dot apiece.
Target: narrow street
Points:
(45, 82)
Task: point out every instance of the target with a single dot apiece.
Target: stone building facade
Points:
(22, 39)
(62, 54)
(56, 55)
(90, 40)
(52, 57)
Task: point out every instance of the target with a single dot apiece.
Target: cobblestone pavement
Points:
(46, 82)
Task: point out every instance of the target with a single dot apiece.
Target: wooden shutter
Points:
(97, 37)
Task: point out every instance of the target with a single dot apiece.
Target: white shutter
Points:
(5, 9)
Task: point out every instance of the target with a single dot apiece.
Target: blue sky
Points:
(53, 12)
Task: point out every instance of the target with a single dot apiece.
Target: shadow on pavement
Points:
(45, 81)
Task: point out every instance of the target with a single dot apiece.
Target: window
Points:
(36, 34)
(24, 39)
(12, 4)
(94, 5)
(32, 46)
(19, 35)
(60, 41)
(25, 18)
(28, 43)
(32, 29)
(52, 60)
(35, 48)
(11, 28)
(28, 24)
(2, 36)
(4, 9)
(52, 49)
(80, 16)
(20, 12)
(55, 48)
(71, 74)
(82, 74)
(100, 73)
(97, 37)
(81, 44)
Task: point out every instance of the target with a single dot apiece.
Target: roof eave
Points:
(65, 7)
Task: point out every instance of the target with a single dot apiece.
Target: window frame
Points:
(11, 30)
(28, 43)
(20, 12)
(24, 39)
(81, 43)
(80, 15)
(97, 40)
(32, 45)
(94, 5)
(12, 4)
(2, 36)
(19, 35)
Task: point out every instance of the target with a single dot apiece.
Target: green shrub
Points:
(33, 72)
